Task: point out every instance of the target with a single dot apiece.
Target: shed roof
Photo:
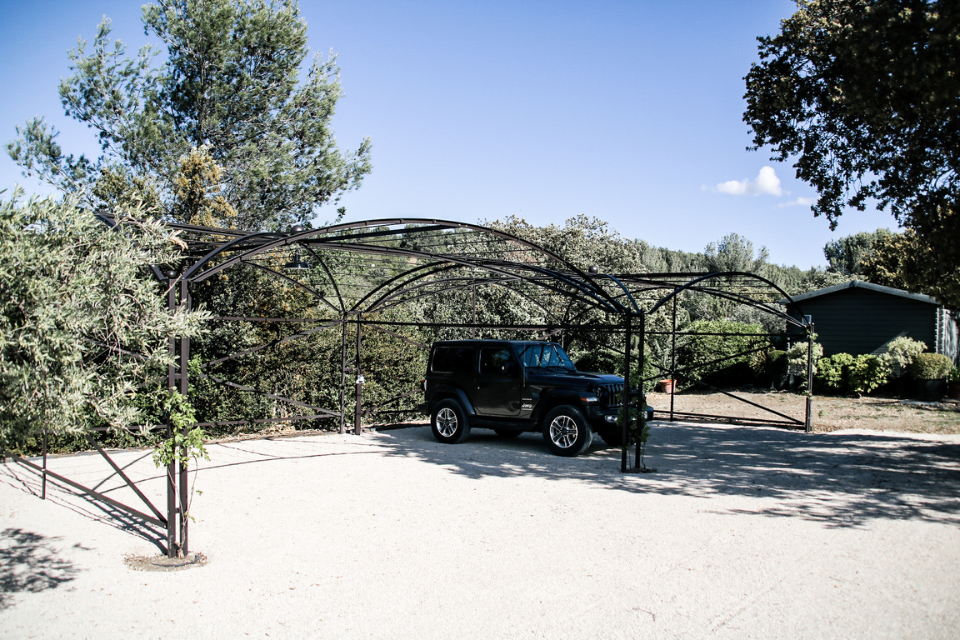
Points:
(859, 284)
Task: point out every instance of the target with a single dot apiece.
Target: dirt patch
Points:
(829, 414)
(163, 563)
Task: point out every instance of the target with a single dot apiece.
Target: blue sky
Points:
(629, 111)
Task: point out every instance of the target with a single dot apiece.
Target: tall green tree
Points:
(847, 254)
(864, 95)
(229, 84)
(83, 326)
(903, 261)
(735, 253)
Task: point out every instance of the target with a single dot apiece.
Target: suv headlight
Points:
(589, 398)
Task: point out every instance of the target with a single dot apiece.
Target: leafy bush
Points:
(831, 376)
(930, 366)
(797, 359)
(843, 373)
(719, 359)
(901, 352)
(866, 373)
(954, 375)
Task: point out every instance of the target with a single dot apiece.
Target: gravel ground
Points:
(743, 532)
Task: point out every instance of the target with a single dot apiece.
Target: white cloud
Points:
(799, 202)
(767, 183)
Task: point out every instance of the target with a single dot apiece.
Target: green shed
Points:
(859, 317)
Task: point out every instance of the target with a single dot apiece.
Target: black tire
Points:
(449, 423)
(507, 433)
(566, 432)
(612, 436)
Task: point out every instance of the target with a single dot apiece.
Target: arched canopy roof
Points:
(369, 266)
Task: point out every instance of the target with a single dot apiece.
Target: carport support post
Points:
(641, 406)
(357, 426)
(343, 373)
(625, 403)
(808, 419)
(171, 466)
(184, 464)
(673, 356)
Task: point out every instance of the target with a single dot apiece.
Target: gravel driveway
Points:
(743, 532)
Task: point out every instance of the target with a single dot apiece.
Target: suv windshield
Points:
(544, 355)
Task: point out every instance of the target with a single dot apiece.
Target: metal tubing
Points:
(673, 357)
(357, 422)
(641, 410)
(171, 522)
(795, 424)
(43, 491)
(184, 464)
(808, 418)
(343, 375)
(745, 401)
(625, 411)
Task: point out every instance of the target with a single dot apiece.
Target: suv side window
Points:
(453, 360)
(496, 360)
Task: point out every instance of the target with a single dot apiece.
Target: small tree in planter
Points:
(930, 370)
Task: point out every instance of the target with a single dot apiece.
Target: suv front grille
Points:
(611, 395)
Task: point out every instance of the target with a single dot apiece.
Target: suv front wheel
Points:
(567, 432)
(449, 422)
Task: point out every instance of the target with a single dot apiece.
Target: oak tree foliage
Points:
(864, 97)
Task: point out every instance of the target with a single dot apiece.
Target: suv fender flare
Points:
(555, 398)
(456, 393)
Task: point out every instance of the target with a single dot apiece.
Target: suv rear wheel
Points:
(449, 422)
(566, 431)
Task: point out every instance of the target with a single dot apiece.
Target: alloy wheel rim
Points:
(446, 422)
(564, 431)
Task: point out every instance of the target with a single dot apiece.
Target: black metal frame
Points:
(421, 258)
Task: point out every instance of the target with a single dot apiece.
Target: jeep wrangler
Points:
(512, 386)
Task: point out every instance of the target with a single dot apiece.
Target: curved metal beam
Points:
(708, 276)
(194, 275)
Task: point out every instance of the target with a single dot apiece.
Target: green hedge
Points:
(930, 366)
(843, 374)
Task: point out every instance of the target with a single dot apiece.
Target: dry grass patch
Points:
(829, 414)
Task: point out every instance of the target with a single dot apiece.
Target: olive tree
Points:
(83, 323)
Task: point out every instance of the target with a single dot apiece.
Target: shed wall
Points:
(858, 320)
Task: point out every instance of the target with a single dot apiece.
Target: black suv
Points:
(512, 386)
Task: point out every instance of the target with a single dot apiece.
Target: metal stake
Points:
(43, 491)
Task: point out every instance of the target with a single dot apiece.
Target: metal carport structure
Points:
(353, 275)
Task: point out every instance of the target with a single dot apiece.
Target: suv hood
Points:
(574, 378)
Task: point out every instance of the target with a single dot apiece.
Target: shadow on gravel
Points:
(29, 563)
(839, 480)
(28, 481)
